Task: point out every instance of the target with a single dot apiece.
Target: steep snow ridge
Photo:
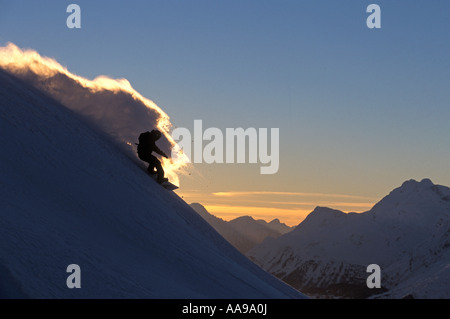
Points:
(71, 197)
(111, 106)
(406, 233)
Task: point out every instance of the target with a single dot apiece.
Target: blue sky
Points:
(359, 110)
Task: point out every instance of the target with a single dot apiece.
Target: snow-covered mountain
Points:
(406, 234)
(69, 195)
(243, 232)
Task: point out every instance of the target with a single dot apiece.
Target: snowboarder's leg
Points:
(151, 169)
(155, 163)
(150, 159)
(160, 173)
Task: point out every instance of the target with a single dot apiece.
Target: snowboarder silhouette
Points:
(147, 145)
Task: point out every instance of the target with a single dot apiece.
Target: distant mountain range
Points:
(243, 232)
(407, 234)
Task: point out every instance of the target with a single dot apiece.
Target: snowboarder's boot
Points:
(164, 179)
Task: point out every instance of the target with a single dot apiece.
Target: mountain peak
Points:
(424, 183)
(427, 181)
(243, 219)
(414, 199)
(406, 233)
(275, 221)
(320, 210)
(323, 216)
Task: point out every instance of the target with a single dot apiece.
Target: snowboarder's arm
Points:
(157, 150)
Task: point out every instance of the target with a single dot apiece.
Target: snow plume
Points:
(111, 105)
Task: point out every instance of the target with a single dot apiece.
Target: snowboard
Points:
(167, 185)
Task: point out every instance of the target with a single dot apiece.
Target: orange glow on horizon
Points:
(290, 217)
(251, 193)
(290, 208)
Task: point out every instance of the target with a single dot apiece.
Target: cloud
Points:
(299, 194)
(109, 105)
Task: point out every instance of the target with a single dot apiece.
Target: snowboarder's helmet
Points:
(156, 134)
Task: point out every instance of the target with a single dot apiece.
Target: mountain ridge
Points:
(330, 249)
(243, 232)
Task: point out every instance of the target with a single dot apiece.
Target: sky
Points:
(359, 110)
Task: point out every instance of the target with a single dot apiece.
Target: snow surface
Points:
(407, 233)
(109, 105)
(70, 196)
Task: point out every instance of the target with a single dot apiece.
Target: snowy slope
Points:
(70, 196)
(406, 233)
(243, 232)
(111, 106)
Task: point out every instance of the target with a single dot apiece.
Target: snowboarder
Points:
(147, 145)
